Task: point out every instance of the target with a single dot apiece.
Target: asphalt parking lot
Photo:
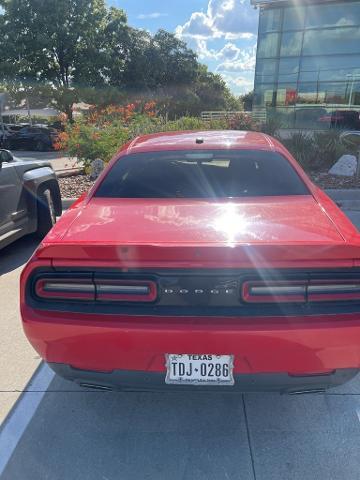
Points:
(51, 429)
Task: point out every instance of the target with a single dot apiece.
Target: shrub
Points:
(328, 149)
(272, 125)
(300, 145)
(318, 151)
(103, 131)
(241, 121)
(88, 142)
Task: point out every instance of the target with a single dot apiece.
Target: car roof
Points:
(213, 139)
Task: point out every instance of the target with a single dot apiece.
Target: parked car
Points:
(30, 198)
(344, 119)
(199, 259)
(5, 133)
(32, 138)
(15, 127)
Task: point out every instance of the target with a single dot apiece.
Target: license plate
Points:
(196, 369)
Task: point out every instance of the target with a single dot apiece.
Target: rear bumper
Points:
(107, 343)
(125, 380)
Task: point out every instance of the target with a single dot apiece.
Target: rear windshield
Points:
(202, 174)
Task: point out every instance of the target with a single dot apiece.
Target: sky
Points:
(222, 32)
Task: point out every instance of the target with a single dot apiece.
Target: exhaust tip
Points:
(308, 391)
(94, 386)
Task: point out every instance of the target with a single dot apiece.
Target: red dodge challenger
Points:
(203, 260)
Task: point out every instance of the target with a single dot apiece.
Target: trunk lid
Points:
(263, 232)
(275, 220)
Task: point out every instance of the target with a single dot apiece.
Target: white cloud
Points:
(244, 62)
(144, 16)
(199, 26)
(229, 52)
(229, 19)
(238, 84)
(231, 27)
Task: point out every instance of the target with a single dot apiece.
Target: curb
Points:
(347, 199)
(67, 202)
(347, 194)
(68, 172)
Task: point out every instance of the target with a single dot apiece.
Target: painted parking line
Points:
(22, 413)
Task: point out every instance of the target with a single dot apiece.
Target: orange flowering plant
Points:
(103, 131)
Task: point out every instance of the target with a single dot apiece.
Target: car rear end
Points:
(289, 329)
(255, 293)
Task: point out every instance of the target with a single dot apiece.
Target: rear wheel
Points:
(40, 146)
(46, 216)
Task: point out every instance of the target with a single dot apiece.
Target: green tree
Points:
(46, 40)
(51, 44)
(75, 50)
(247, 100)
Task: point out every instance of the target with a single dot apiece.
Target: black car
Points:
(343, 119)
(40, 139)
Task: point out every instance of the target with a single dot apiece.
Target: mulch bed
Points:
(324, 181)
(73, 187)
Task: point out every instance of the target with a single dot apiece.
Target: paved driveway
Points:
(57, 431)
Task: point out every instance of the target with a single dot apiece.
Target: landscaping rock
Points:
(345, 166)
(73, 187)
(97, 166)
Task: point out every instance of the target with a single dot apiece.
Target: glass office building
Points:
(308, 63)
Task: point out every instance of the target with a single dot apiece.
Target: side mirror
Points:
(5, 156)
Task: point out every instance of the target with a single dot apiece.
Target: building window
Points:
(310, 93)
(289, 69)
(264, 95)
(269, 20)
(286, 94)
(310, 117)
(291, 44)
(294, 18)
(265, 70)
(308, 62)
(329, 68)
(338, 15)
(268, 45)
(332, 41)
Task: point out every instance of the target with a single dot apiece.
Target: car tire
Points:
(40, 146)
(46, 216)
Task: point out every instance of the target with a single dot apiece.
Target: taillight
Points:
(98, 289)
(278, 292)
(125, 290)
(333, 290)
(301, 292)
(71, 289)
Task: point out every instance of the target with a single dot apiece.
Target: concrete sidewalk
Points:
(18, 360)
(349, 201)
(59, 161)
(74, 434)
